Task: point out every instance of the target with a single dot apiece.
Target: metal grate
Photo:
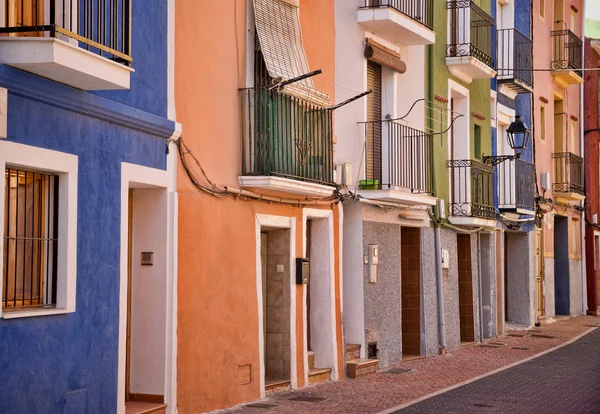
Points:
(262, 405)
(30, 239)
(397, 371)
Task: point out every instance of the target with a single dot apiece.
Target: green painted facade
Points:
(479, 101)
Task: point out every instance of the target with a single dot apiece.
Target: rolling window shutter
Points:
(280, 36)
(386, 57)
(373, 159)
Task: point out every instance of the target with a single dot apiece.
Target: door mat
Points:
(304, 398)
(396, 371)
(262, 405)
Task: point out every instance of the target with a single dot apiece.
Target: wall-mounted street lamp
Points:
(518, 135)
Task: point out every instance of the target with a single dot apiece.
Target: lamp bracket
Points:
(497, 159)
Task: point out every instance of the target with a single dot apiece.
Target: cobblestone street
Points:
(391, 390)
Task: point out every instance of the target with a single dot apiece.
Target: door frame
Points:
(540, 272)
(278, 222)
(307, 214)
(133, 176)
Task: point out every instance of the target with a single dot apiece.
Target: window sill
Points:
(33, 312)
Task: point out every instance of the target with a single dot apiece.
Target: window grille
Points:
(30, 239)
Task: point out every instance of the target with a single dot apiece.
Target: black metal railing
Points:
(405, 160)
(516, 185)
(418, 10)
(30, 260)
(568, 173)
(285, 136)
(472, 189)
(567, 51)
(515, 57)
(100, 26)
(470, 31)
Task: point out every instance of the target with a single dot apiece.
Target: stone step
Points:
(311, 360)
(357, 368)
(272, 386)
(317, 375)
(352, 351)
(141, 407)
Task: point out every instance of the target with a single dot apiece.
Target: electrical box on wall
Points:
(441, 208)
(545, 181)
(445, 259)
(147, 258)
(373, 262)
(343, 174)
(302, 271)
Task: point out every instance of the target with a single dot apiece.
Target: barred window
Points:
(30, 239)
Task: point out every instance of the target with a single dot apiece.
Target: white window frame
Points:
(66, 167)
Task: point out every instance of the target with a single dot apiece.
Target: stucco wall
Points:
(575, 287)
(450, 277)
(383, 301)
(77, 351)
(549, 306)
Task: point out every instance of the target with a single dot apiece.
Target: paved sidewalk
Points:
(383, 391)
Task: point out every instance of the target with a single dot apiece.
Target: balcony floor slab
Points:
(64, 62)
(398, 196)
(472, 221)
(395, 26)
(285, 185)
(468, 68)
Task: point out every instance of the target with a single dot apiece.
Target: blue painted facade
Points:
(69, 363)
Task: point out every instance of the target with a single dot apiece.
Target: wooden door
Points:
(539, 271)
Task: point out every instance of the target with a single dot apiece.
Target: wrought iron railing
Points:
(419, 10)
(567, 51)
(405, 158)
(99, 26)
(515, 57)
(568, 173)
(285, 136)
(472, 189)
(516, 185)
(470, 31)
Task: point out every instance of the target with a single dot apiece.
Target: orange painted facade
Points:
(548, 92)
(218, 305)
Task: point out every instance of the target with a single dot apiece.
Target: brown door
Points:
(465, 289)
(373, 133)
(410, 253)
(539, 269)
(129, 280)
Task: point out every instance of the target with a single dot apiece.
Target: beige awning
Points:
(280, 36)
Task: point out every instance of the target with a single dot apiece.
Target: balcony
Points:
(398, 168)
(472, 198)
(515, 62)
(566, 58)
(406, 21)
(287, 144)
(84, 44)
(469, 52)
(516, 187)
(568, 177)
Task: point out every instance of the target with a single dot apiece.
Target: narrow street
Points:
(562, 381)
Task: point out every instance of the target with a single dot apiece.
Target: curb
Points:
(487, 374)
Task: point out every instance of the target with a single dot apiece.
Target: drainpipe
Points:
(584, 307)
(479, 286)
(436, 227)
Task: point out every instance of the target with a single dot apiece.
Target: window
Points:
(542, 8)
(30, 239)
(573, 21)
(542, 122)
(38, 206)
(477, 141)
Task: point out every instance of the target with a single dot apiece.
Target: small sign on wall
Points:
(147, 258)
